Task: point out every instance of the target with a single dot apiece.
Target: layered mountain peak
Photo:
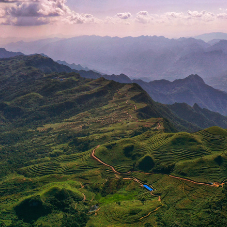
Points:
(194, 78)
(219, 46)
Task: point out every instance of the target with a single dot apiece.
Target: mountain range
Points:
(190, 90)
(144, 57)
(10, 78)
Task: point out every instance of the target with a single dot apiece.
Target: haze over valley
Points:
(145, 57)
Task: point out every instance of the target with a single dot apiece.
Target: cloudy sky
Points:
(170, 18)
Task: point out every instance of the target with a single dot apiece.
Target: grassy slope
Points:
(39, 155)
(50, 127)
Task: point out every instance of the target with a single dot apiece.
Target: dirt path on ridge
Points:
(199, 183)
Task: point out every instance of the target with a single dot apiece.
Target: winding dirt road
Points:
(113, 169)
(100, 161)
(141, 184)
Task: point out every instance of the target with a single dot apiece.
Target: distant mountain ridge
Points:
(190, 90)
(148, 57)
(7, 54)
(212, 36)
(200, 116)
(73, 66)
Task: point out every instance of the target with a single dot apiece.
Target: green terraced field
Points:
(52, 123)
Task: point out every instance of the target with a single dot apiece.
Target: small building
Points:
(148, 188)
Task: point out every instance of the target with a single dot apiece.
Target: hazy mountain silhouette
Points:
(73, 66)
(7, 54)
(148, 57)
(211, 36)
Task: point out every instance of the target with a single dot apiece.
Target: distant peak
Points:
(196, 106)
(195, 78)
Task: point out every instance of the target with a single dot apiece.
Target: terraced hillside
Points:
(73, 186)
(51, 124)
(199, 156)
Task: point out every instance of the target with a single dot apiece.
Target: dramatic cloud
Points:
(54, 8)
(39, 12)
(24, 10)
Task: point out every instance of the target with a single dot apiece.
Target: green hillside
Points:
(77, 151)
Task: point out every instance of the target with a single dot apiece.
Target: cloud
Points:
(124, 16)
(80, 19)
(222, 16)
(178, 17)
(26, 21)
(41, 8)
(2, 13)
(203, 15)
(39, 12)
(143, 17)
(175, 15)
(24, 10)
(54, 8)
(18, 1)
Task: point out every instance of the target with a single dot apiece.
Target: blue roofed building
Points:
(148, 188)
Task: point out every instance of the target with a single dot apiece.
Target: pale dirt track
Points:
(199, 183)
(100, 161)
(138, 181)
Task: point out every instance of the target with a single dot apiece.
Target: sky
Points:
(32, 19)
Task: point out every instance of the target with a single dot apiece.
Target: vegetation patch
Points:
(146, 163)
(31, 209)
